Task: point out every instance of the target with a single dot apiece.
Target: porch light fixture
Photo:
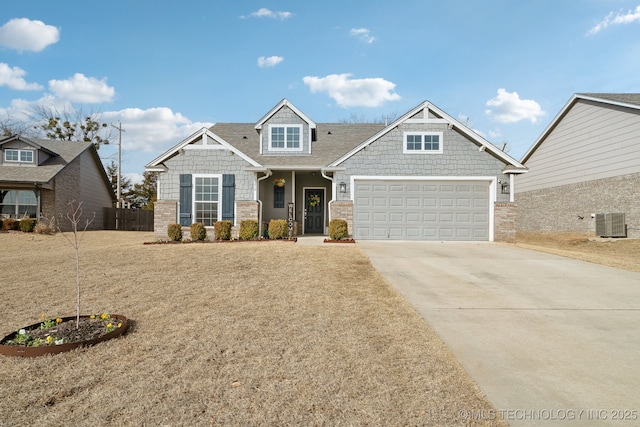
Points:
(343, 187)
(505, 187)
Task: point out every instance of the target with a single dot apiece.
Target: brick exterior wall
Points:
(505, 216)
(343, 210)
(568, 208)
(164, 213)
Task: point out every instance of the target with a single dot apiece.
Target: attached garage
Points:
(412, 209)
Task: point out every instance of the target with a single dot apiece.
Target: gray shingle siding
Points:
(285, 116)
(206, 161)
(385, 157)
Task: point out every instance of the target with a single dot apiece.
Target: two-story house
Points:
(41, 177)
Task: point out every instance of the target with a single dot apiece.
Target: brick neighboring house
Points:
(425, 176)
(587, 161)
(40, 177)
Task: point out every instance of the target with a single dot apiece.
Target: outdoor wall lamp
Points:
(505, 187)
(343, 187)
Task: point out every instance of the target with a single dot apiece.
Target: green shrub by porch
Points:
(249, 229)
(174, 231)
(222, 230)
(278, 229)
(338, 229)
(27, 224)
(198, 232)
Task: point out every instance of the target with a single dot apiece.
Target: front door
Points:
(314, 211)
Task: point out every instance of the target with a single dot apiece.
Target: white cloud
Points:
(509, 108)
(495, 133)
(271, 61)
(153, 129)
(266, 13)
(371, 92)
(134, 177)
(23, 34)
(82, 89)
(363, 34)
(13, 78)
(618, 19)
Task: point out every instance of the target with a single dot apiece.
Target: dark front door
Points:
(314, 211)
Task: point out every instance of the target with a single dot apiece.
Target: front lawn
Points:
(268, 333)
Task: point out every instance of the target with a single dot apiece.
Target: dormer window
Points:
(18, 156)
(285, 137)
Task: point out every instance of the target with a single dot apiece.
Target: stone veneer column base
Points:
(245, 210)
(504, 226)
(165, 212)
(340, 209)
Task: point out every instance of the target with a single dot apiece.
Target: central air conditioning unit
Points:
(611, 225)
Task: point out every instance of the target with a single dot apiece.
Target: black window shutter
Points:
(228, 196)
(185, 200)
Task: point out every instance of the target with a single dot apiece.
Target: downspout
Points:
(268, 174)
(333, 191)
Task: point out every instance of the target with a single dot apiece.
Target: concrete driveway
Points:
(549, 340)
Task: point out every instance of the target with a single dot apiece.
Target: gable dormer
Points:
(18, 151)
(285, 130)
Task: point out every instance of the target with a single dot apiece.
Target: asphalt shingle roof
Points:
(66, 151)
(333, 140)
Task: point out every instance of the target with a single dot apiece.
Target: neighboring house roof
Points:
(62, 153)
(627, 100)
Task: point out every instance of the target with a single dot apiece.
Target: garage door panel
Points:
(420, 210)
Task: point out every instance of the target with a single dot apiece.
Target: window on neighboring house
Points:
(23, 156)
(422, 142)
(18, 203)
(206, 199)
(285, 137)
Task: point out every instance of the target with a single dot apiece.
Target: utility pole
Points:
(120, 130)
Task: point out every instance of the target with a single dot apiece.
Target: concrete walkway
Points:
(550, 340)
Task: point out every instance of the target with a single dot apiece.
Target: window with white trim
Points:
(206, 199)
(18, 156)
(422, 142)
(18, 203)
(285, 137)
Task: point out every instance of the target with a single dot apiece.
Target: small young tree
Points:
(74, 216)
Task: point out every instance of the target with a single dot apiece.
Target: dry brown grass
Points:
(618, 253)
(224, 334)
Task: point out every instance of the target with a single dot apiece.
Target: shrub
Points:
(42, 228)
(198, 232)
(338, 229)
(249, 229)
(174, 231)
(27, 224)
(222, 230)
(278, 229)
(10, 224)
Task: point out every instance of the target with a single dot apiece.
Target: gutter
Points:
(268, 172)
(333, 190)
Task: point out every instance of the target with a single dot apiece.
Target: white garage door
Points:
(421, 210)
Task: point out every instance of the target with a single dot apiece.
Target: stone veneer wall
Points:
(164, 213)
(343, 210)
(505, 222)
(245, 210)
(568, 208)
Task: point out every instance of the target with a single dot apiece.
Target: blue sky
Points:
(167, 68)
